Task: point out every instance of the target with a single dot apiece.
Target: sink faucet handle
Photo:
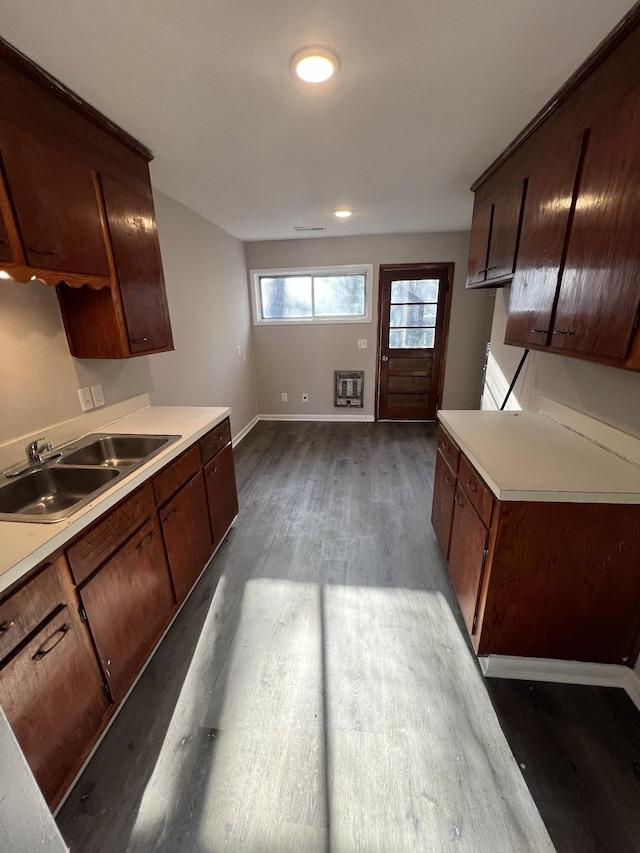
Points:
(33, 451)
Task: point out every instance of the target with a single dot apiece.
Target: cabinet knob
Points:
(139, 340)
(3, 242)
(449, 481)
(459, 500)
(4, 627)
(471, 486)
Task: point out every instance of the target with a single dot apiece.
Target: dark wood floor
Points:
(313, 610)
(579, 751)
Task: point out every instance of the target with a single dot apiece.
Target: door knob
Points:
(385, 358)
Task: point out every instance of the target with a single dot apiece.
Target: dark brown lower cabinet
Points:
(467, 556)
(220, 478)
(128, 603)
(51, 692)
(187, 535)
(442, 506)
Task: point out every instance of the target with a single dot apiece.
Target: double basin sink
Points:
(54, 489)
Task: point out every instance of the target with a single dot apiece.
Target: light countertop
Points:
(25, 545)
(528, 456)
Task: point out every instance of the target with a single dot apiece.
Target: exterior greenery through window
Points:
(328, 295)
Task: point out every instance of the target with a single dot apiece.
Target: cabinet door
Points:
(479, 241)
(51, 692)
(599, 295)
(221, 493)
(505, 225)
(542, 239)
(187, 534)
(136, 252)
(129, 602)
(444, 489)
(6, 252)
(54, 198)
(467, 556)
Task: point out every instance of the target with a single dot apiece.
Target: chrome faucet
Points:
(34, 453)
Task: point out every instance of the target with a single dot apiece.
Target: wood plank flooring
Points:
(579, 750)
(316, 693)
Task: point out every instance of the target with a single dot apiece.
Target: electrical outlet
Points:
(305, 398)
(285, 397)
(86, 400)
(98, 396)
(362, 343)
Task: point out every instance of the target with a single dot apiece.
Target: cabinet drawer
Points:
(23, 611)
(167, 482)
(109, 533)
(215, 440)
(449, 449)
(479, 495)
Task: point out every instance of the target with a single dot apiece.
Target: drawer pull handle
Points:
(49, 646)
(445, 445)
(139, 340)
(540, 331)
(173, 512)
(5, 627)
(449, 481)
(494, 267)
(37, 251)
(144, 542)
(459, 500)
(563, 332)
(471, 486)
(211, 472)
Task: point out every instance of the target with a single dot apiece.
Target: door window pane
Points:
(289, 296)
(413, 315)
(339, 295)
(411, 338)
(422, 290)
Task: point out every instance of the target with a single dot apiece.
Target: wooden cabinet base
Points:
(52, 696)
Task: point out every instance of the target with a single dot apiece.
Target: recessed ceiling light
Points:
(343, 213)
(315, 64)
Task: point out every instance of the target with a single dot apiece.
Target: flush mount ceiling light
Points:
(343, 213)
(315, 64)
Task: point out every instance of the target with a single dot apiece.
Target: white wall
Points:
(38, 376)
(606, 393)
(299, 359)
(206, 277)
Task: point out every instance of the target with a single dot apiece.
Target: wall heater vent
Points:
(349, 387)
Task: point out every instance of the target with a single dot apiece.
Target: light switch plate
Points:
(86, 400)
(98, 396)
(362, 343)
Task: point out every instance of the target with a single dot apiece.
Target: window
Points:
(412, 321)
(327, 295)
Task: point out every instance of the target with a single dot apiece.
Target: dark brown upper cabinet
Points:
(54, 199)
(76, 211)
(136, 254)
(576, 283)
(599, 296)
(495, 226)
(548, 206)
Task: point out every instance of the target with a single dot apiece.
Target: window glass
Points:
(288, 296)
(424, 290)
(339, 295)
(411, 338)
(413, 315)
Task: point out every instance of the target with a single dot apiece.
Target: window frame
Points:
(277, 272)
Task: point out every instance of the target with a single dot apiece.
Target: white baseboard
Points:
(334, 418)
(245, 431)
(563, 672)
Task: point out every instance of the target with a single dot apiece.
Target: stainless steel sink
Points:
(55, 489)
(50, 491)
(116, 451)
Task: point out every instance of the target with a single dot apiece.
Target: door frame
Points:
(441, 358)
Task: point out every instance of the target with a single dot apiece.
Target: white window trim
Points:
(348, 269)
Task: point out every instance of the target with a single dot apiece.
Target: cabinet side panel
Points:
(564, 582)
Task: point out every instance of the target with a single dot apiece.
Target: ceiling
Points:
(429, 93)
